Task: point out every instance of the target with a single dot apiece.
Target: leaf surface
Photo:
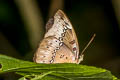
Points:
(64, 71)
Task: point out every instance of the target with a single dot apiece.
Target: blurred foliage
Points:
(87, 16)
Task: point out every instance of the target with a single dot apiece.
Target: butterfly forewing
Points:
(63, 30)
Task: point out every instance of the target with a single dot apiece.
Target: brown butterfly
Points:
(60, 44)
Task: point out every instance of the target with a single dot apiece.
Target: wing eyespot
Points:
(64, 30)
(53, 54)
(74, 49)
(63, 35)
(61, 56)
(60, 39)
(65, 26)
(51, 61)
(55, 51)
(66, 57)
(44, 56)
(60, 44)
(53, 57)
(56, 41)
(57, 48)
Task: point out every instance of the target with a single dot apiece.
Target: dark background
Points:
(19, 39)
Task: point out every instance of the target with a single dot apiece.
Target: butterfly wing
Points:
(64, 55)
(46, 50)
(51, 50)
(60, 43)
(60, 27)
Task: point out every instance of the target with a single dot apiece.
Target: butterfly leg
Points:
(80, 59)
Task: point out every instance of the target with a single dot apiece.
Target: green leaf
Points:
(65, 71)
(22, 78)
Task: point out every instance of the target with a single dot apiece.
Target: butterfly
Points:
(60, 44)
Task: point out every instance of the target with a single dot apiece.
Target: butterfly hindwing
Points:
(64, 55)
(46, 50)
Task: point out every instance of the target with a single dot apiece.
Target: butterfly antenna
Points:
(81, 55)
(88, 44)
